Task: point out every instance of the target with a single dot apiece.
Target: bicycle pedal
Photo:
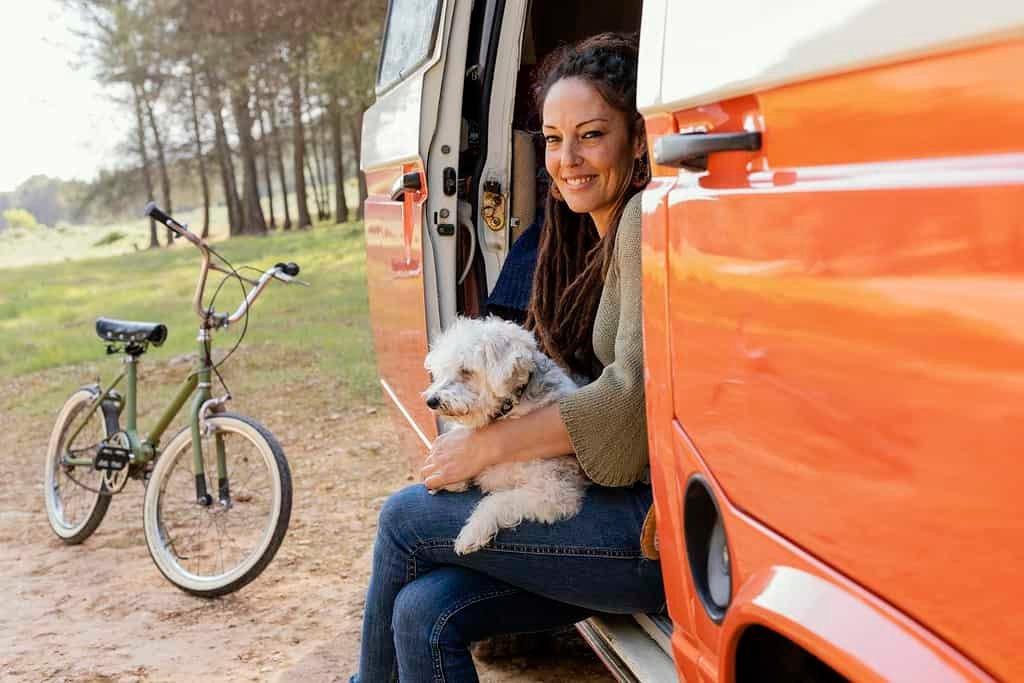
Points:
(112, 458)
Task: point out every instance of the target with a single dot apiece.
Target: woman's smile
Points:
(577, 183)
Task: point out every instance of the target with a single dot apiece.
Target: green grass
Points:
(48, 311)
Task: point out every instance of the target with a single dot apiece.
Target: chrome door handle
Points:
(406, 181)
(690, 150)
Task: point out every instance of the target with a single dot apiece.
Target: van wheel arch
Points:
(766, 655)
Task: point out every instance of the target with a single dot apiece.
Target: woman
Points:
(426, 604)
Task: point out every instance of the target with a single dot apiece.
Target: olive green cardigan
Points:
(606, 419)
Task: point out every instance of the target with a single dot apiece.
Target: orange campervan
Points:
(833, 309)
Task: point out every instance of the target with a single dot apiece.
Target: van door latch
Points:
(449, 181)
(493, 210)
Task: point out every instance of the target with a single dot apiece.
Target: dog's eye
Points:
(465, 373)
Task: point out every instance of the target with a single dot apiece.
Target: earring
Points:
(641, 172)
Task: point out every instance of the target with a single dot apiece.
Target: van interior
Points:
(546, 26)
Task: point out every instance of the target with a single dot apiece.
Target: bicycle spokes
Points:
(211, 537)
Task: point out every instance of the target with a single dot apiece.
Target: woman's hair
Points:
(572, 258)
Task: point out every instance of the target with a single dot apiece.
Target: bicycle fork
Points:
(201, 406)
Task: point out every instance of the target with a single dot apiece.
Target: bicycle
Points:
(90, 458)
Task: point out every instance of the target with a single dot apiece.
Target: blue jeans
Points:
(425, 604)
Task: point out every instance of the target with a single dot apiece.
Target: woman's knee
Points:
(413, 515)
(401, 513)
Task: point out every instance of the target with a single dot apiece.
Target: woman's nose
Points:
(570, 153)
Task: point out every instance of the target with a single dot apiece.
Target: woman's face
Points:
(588, 148)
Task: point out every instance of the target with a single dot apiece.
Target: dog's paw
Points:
(473, 537)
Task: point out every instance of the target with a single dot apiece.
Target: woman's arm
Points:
(461, 454)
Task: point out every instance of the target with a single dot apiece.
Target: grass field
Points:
(48, 311)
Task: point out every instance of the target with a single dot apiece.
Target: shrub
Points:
(19, 218)
(109, 238)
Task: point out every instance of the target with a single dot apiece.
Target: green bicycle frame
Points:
(146, 449)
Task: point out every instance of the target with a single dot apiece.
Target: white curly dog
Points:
(490, 369)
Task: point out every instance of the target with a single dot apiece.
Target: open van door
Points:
(415, 118)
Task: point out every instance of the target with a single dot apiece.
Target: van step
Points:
(659, 627)
(631, 653)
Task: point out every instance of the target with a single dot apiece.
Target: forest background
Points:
(246, 109)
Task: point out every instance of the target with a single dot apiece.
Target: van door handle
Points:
(690, 150)
(406, 181)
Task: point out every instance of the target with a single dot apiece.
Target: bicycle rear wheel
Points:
(74, 511)
(214, 547)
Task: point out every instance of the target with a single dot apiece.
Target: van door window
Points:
(411, 30)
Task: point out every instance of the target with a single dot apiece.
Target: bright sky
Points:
(54, 119)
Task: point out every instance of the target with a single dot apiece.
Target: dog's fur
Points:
(478, 367)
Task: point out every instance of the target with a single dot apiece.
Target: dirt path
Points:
(119, 620)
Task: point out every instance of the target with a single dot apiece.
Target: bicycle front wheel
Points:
(216, 545)
(75, 497)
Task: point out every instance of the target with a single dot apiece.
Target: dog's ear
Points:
(509, 361)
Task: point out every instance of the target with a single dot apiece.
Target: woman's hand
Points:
(458, 456)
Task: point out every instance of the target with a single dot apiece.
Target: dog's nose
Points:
(433, 402)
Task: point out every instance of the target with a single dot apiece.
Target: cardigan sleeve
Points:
(606, 419)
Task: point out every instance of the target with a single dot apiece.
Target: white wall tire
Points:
(73, 512)
(177, 527)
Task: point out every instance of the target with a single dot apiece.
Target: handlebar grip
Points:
(291, 268)
(154, 212)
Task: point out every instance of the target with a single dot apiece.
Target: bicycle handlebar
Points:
(284, 272)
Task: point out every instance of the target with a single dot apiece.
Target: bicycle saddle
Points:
(130, 331)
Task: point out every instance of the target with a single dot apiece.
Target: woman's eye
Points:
(592, 134)
(551, 139)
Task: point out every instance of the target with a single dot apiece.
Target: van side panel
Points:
(394, 270)
(847, 332)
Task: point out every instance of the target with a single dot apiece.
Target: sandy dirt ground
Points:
(102, 612)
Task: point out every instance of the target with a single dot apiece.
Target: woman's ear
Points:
(639, 138)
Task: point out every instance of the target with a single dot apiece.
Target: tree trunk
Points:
(199, 150)
(355, 123)
(315, 173)
(227, 166)
(321, 166)
(265, 149)
(140, 132)
(316, 189)
(298, 149)
(321, 182)
(279, 150)
(325, 158)
(165, 179)
(252, 212)
(337, 151)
